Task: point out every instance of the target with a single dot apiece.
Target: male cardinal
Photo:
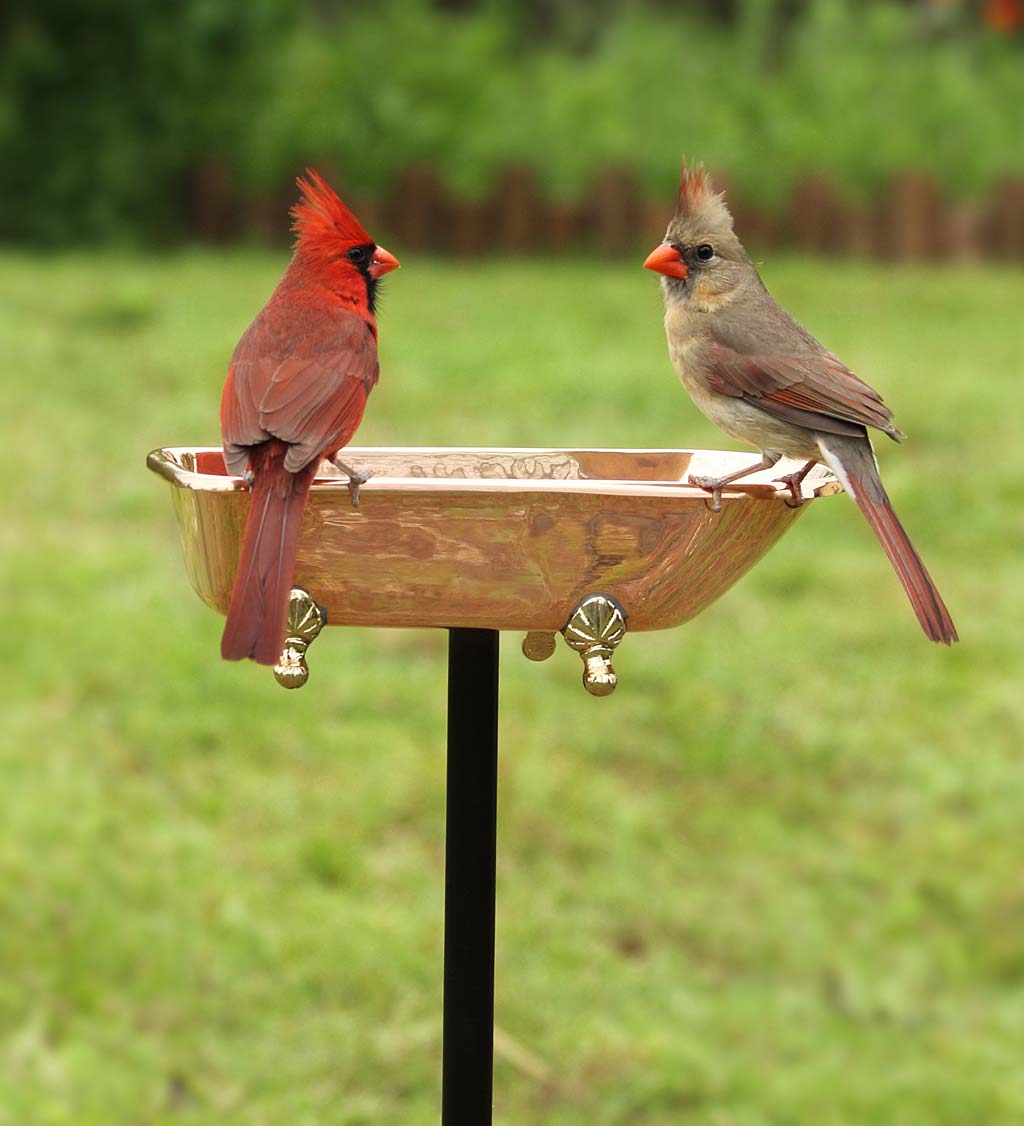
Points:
(295, 393)
(761, 377)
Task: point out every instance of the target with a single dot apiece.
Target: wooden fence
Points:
(910, 221)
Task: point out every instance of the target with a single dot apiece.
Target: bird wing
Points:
(302, 377)
(815, 390)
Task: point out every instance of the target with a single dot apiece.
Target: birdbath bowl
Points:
(537, 540)
(477, 541)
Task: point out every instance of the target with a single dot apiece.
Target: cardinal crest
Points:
(699, 203)
(320, 214)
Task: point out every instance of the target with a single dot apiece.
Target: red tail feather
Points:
(853, 462)
(924, 596)
(259, 601)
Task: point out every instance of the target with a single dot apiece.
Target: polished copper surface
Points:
(507, 539)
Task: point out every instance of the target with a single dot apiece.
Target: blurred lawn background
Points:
(775, 878)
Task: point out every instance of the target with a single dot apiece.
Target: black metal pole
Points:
(470, 834)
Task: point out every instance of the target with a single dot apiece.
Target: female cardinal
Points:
(761, 377)
(295, 393)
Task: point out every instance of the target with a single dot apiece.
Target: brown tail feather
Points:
(853, 461)
(259, 601)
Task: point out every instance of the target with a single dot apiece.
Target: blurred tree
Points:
(137, 118)
(105, 104)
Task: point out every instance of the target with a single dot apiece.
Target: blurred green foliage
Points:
(107, 107)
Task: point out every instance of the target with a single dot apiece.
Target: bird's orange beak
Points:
(382, 262)
(665, 259)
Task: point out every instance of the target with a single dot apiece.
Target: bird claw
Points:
(356, 479)
(247, 478)
(792, 481)
(712, 485)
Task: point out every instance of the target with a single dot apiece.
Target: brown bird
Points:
(764, 379)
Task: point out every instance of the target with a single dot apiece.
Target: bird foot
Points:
(712, 485)
(247, 478)
(793, 482)
(356, 479)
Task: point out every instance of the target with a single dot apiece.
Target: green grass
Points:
(775, 879)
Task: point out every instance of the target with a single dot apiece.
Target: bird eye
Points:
(357, 254)
(705, 251)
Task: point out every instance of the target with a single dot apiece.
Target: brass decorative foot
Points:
(595, 629)
(305, 621)
(538, 644)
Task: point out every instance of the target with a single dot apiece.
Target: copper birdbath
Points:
(538, 540)
(478, 541)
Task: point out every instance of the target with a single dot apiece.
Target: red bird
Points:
(295, 394)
